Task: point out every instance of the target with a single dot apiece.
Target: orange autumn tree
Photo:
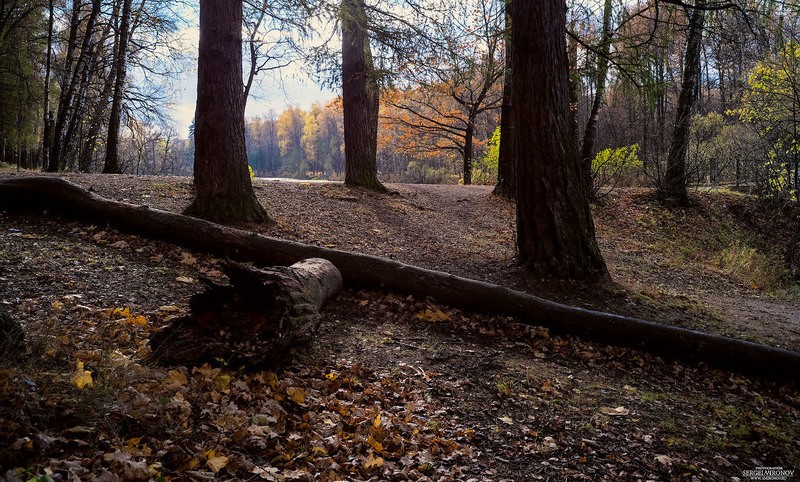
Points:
(453, 86)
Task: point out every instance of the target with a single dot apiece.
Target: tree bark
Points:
(359, 99)
(469, 132)
(506, 162)
(47, 136)
(253, 321)
(590, 132)
(60, 141)
(223, 190)
(555, 230)
(119, 69)
(58, 195)
(673, 186)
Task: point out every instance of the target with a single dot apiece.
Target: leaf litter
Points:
(393, 388)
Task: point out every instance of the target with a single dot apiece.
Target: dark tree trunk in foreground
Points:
(60, 196)
(555, 230)
(252, 321)
(590, 132)
(506, 163)
(359, 99)
(111, 163)
(673, 187)
(223, 191)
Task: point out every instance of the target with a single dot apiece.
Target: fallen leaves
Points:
(81, 378)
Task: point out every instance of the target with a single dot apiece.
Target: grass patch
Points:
(751, 267)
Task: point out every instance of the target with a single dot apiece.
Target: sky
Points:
(272, 92)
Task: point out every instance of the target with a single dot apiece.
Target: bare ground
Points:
(393, 388)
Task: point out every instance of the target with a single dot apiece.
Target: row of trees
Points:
(663, 75)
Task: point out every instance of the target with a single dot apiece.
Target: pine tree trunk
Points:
(359, 99)
(224, 192)
(673, 187)
(555, 230)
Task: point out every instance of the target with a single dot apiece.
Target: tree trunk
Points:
(223, 190)
(253, 321)
(359, 99)
(47, 136)
(59, 196)
(469, 132)
(506, 171)
(673, 187)
(590, 132)
(555, 230)
(111, 161)
(73, 70)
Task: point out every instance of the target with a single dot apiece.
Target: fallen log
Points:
(57, 195)
(253, 321)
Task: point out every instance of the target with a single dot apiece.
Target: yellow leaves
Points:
(184, 279)
(125, 315)
(432, 315)
(175, 378)
(375, 444)
(81, 378)
(215, 462)
(373, 462)
(297, 395)
(221, 382)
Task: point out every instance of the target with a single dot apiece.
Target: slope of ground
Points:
(393, 388)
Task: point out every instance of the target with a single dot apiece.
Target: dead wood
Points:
(58, 195)
(253, 321)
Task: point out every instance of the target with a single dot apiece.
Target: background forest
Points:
(79, 76)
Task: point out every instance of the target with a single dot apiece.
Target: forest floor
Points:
(397, 388)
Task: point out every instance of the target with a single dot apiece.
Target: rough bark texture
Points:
(111, 162)
(673, 186)
(223, 191)
(555, 230)
(253, 321)
(506, 163)
(359, 99)
(57, 195)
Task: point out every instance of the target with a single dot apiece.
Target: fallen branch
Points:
(58, 195)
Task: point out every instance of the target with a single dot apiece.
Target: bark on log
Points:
(253, 321)
(54, 194)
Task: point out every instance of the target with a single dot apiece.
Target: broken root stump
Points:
(253, 321)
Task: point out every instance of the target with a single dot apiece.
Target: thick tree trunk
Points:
(119, 69)
(506, 162)
(255, 320)
(359, 99)
(223, 190)
(590, 132)
(58, 195)
(673, 186)
(555, 230)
